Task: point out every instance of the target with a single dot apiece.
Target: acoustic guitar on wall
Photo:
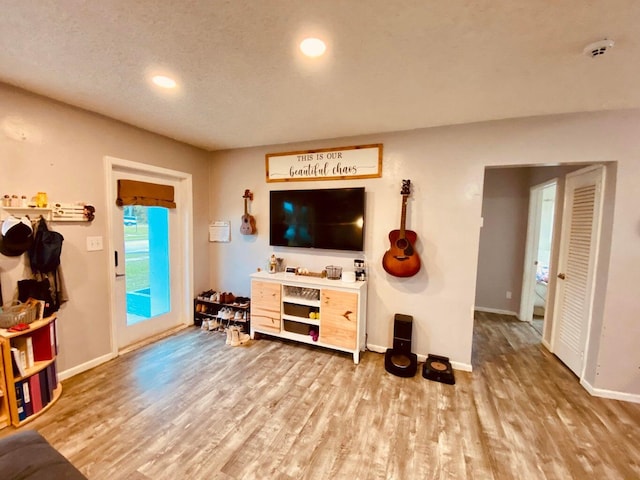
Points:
(248, 225)
(402, 260)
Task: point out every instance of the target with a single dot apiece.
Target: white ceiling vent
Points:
(597, 49)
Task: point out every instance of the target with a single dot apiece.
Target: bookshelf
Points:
(29, 369)
(5, 418)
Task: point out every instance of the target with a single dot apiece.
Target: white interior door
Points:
(150, 282)
(577, 265)
(531, 254)
(538, 248)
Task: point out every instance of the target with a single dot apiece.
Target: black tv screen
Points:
(324, 218)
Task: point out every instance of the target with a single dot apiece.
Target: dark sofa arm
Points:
(27, 455)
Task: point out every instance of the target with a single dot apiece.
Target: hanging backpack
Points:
(44, 254)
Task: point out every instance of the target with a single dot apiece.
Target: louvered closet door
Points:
(577, 262)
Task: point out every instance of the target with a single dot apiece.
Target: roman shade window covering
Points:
(132, 192)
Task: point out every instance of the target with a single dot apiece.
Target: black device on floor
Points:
(399, 360)
(438, 369)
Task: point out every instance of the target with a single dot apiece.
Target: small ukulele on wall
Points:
(248, 225)
(402, 260)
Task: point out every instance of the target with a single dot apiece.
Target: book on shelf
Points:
(30, 359)
(44, 344)
(45, 393)
(54, 335)
(20, 402)
(52, 377)
(19, 368)
(26, 398)
(25, 345)
(36, 394)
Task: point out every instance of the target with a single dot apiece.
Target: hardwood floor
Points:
(191, 407)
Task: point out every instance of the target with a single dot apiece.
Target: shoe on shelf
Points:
(238, 315)
(213, 324)
(205, 324)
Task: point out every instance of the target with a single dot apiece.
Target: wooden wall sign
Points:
(361, 161)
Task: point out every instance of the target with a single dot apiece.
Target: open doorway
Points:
(503, 243)
(576, 280)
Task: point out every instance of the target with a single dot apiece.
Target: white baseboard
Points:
(85, 366)
(496, 310)
(465, 367)
(377, 348)
(422, 358)
(610, 394)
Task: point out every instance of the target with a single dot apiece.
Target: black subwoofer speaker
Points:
(399, 360)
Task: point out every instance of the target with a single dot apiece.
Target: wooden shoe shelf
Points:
(204, 308)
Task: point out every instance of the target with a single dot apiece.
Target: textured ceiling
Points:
(390, 65)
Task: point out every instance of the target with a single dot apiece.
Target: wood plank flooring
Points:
(191, 407)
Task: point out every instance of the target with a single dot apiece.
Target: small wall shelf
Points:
(22, 211)
(59, 213)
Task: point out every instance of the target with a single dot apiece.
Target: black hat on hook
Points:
(17, 236)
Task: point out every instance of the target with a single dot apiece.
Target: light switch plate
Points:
(94, 244)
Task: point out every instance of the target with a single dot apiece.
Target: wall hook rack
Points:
(57, 212)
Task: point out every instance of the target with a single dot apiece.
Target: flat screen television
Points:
(331, 218)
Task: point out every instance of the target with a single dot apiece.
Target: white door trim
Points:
(184, 196)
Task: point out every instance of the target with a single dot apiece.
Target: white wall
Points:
(49, 146)
(446, 166)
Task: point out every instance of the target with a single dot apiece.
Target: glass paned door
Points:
(149, 269)
(147, 266)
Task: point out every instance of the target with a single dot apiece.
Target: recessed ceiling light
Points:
(164, 82)
(313, 47)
